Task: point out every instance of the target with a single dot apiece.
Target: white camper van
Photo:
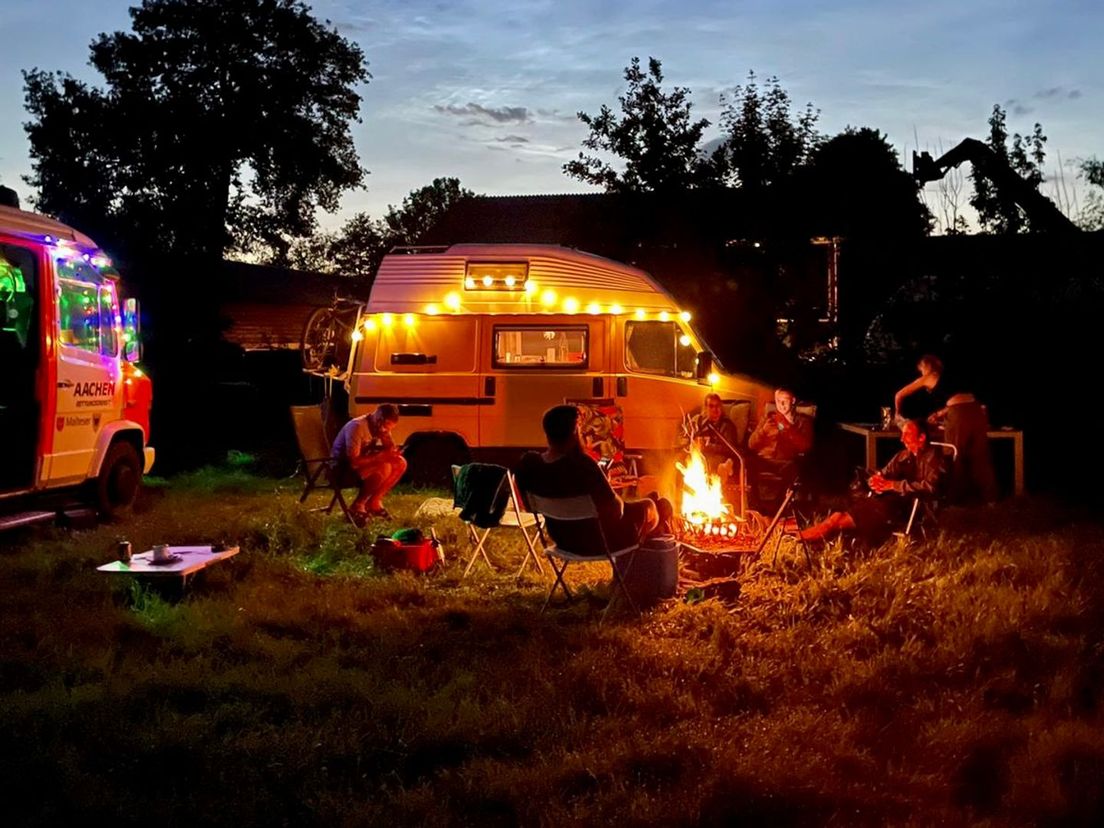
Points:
(475, 341)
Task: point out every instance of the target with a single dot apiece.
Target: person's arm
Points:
(354, 445)
(799, 436)
(924, 481)
(760, 437)
(908, 390)
(598, 487)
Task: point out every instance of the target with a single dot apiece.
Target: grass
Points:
(955, 681)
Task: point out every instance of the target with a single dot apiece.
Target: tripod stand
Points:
(787, 509)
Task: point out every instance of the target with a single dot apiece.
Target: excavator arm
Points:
(1041, 211)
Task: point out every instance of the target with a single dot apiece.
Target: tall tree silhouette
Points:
(655, 138)
(996, 211)
(218, 125)
(764, 141)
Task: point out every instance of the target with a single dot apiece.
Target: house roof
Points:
(608, 224)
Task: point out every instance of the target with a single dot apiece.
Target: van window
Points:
(540, 346)
(88, 309)
(657, 348)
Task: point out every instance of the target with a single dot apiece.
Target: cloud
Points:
(512, 139)
(487, 115)
(1018, 107)
(1058, 92)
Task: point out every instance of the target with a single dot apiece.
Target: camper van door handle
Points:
(488, 386)
(622, 386)
(596, 387)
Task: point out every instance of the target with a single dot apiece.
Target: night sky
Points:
(488, 91)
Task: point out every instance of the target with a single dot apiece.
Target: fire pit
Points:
(715, 539)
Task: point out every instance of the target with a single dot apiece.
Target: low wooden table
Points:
(872, 434)
(189, 560)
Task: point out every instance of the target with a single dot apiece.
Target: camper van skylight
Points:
(496, 276)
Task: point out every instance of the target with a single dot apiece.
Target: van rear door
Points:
(427, 365)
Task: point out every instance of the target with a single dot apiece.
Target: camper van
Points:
(475, 341)
(74, 408)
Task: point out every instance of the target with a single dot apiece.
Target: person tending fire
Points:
(714, 433)
(364, 449)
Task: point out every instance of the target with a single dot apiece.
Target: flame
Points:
(702, 497)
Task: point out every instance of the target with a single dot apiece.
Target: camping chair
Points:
(516, 516)
(925, 510)
(603, 429)
(580, 508)
(319, 468)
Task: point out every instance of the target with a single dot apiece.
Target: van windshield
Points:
(659, 348)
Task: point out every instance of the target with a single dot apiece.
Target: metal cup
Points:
(125, 551)
(161, 552)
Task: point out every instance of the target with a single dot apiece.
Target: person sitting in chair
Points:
(781, 437)
(917, 470)
(714, 433)
(365, 449)
(565, 470)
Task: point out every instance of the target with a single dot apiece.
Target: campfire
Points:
(704, 511)
(706, 520)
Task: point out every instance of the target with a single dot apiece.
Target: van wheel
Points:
(430, 461)
(120, 476)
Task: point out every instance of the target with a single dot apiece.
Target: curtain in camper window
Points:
(540, 346)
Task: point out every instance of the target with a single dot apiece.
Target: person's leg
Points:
(390, 473)
(638, 520)
(835, 522)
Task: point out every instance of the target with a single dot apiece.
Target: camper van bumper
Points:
(149, 455)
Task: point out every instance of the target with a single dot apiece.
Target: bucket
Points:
(651, 572)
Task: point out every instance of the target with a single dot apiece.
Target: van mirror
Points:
(704, 365)
(132, 342)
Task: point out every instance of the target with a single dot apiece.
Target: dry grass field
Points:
(957, 681)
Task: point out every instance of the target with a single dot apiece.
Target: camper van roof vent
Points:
(8, 197)
(413, 250)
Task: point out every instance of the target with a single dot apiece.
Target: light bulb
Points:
(510, 281)
(530, 287)
(571, 304)
(684, 341)
(593, 308)
(469, 283)
(369, 324)
(616, 309)
(452, 301)
(639, 313)
(388, 319)
(408, 320)
(432, 309)
(684, 316)
(548, 298)
(664, 316)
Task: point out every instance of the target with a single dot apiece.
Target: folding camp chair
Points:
(602, 424)
(924, 512)
(580, 508)
(516, 516)
(318, 466)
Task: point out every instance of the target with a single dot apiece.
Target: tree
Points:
(219, 124)
(1092, 214)
(854, 186)
(357, 248)
(655, 138)
(764, 143)
(996, 212)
